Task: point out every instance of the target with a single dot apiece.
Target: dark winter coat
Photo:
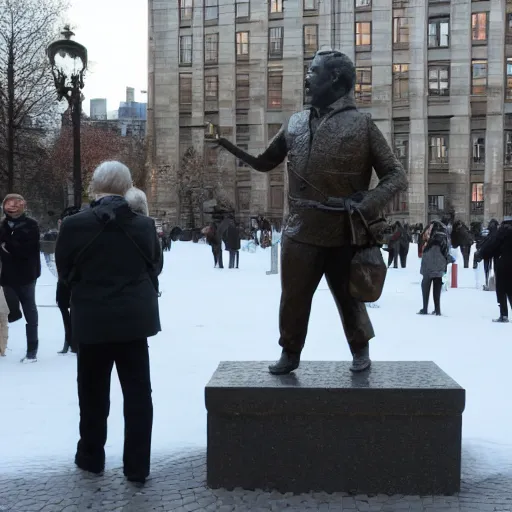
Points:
(498, 245)
(21, 258)
(335, 161)
(436, 256)
(232, 238)
(461, 235)
(114, 281)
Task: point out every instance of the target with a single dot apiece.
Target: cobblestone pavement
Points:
(178, 484)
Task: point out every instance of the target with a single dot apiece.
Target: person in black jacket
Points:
(461, 237)
(111, 258)
(492, 229)
(232, 242)
(21, 265)
(63, 297)
(498, 247)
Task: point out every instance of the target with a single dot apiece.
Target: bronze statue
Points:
(331, 149)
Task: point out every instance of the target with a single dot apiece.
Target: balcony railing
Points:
(477, 207)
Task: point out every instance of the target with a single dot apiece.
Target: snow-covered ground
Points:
(210, 315)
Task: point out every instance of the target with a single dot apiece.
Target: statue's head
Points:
(331, 75)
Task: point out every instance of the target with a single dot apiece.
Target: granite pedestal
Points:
(395, 429)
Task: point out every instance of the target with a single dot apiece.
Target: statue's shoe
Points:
(361, 359)
(287, 363)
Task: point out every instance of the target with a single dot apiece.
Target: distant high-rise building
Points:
(99, 109)
(130, 94)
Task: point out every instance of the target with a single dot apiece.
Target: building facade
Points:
(98, 109)
(436, 76)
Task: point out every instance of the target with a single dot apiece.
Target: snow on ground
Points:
(209, 315)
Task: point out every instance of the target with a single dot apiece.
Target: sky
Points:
(115, 34)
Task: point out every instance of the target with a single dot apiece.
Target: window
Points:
(242, 91)
(275, 42)
(275, 6)
(435, 204)
(507, 198)
(509, 79)
(185, 50)
(211, 48)
(363, 33)
(241, 163)
(508, 148)
(277, 197)
(242, 45)
(363, 3)
(363, 87)
(400, 30)
(310, 40)
(186, 10)
(479, 26)
(400, 202)
(438, 81)
(509, 24)
(479, 148)
(210, 155)
(479, 77)
(273, 130)
(243, 132)
(438, 33)
(185, 90)
(211, 10)
(401, 145)
(244, 198)
(477, 198)
(242, 9)
(400, 81)
(211, 88)
(438, 149)
(275, 91)
(311, 5)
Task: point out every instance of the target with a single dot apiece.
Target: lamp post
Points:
(68, 60)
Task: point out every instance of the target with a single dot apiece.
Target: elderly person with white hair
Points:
(110, 258)
(137, 201)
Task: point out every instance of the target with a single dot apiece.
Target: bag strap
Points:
(149, 263)
(81, 254)
(365, 225)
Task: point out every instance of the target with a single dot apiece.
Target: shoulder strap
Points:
(80, 255)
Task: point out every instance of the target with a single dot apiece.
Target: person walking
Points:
(21, 266)
(110, 258)
(491, 230)
(497, 247)
(434, 262)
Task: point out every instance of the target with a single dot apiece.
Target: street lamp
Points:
(68, 60)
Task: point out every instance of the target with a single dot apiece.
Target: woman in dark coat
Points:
(498, 247)
(232, 243)
(461, 237)
(434, 264)
(110, 257)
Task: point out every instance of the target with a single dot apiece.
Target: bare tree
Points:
(27, 93)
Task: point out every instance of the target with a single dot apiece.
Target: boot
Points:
(422, 312)
(64, 349)
(436, 313)
(501, 320)
(88, 463)
(288, 362)
(361, 359)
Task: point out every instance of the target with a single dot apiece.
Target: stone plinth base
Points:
(395, 429)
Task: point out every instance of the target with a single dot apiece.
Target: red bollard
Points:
(454, 275)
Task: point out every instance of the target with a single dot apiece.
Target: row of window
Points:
(439, 145)
(275, 45)
(438, 30)
(436, 203)
(438, 84)
(242, 9)
(438, 80)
